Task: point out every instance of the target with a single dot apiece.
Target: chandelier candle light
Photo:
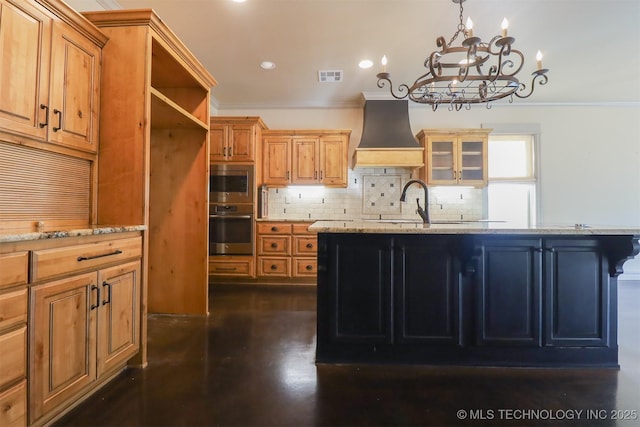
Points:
(474, 73)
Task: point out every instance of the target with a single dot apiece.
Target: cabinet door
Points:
(62, 341)
(241, 143)
(578, 297)
(305, 161)
(360, 291)
(24, 68)
(218, 143)
(508, 292)
(333, 161)
(426, 288)
(75, 84)
(472, 160)
(441, 160)
(276, 158)
(118, 316)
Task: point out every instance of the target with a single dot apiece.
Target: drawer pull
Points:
(309, 267)
(274, 228)
(274, 245)
(309, 245)
(108, 300)
(226, 268)
(87, 258)
(274, 267)
(97, 304)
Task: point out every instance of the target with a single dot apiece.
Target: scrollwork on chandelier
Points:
(473, 73)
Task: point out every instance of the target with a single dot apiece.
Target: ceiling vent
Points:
(329, 76)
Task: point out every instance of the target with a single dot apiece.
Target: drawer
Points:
(305, 245)
(274, 245)
(273, 267)
(274, 228)
(13, 406)
(13, 308)
(13, 364)
(14, 269)
(305, 267)
(231, 267)
(301, 228)
(59, 261)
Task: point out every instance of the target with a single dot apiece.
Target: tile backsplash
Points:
(373, 193)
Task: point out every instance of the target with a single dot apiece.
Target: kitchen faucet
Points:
(424, 213)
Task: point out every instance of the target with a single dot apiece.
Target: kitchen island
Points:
(478, 294)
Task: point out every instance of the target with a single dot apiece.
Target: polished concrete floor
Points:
(251, 363)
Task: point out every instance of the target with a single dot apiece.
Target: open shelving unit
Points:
(154, 155)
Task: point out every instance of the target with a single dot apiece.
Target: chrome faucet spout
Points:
(424, 213)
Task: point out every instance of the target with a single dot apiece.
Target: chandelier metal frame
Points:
(473, 73)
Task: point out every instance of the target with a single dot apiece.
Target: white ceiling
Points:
(591, 47)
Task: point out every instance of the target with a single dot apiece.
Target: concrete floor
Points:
(251, 363)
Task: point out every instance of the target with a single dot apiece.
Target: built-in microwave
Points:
(230, 183)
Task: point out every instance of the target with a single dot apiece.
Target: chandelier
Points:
(475, 72)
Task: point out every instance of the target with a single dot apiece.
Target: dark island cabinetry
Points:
(469, 299)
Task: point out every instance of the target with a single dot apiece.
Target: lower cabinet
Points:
(460, 299)
(286, 250)
(84, 327)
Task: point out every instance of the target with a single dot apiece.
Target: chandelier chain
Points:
(461, 27)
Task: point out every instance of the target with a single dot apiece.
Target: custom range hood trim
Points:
(386, 139)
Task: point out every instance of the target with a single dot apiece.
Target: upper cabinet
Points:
(49, 74)
(234, 139)
(305, 157)
(455, 156)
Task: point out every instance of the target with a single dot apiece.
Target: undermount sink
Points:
(395, 221)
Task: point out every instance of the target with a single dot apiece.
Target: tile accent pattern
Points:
(361, 200)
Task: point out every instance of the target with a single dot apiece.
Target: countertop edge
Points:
(21, 236)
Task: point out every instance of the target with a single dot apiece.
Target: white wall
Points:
(589, 155)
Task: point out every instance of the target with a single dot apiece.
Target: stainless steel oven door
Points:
(230, 230)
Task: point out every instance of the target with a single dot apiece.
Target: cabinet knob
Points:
(309, 245)
(274, 228)
(274, 267)
(274, 245)
(309, 267)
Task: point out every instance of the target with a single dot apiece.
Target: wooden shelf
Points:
(166, 114)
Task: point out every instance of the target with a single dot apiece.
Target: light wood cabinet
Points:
(155, 143)
(237, 266)
(455, 156)
(83, 326)
(234, 139)
(286, 250)
(305, 157)
(13, 338)
(50, 71)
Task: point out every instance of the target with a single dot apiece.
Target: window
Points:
(511, 193)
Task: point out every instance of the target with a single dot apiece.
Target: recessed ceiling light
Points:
(239, 1)
(365, 63)
(267, 65)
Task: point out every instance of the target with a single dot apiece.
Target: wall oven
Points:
(230, 229)
(231, 184)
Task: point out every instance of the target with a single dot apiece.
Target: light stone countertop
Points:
(19, 235)
(471, 227)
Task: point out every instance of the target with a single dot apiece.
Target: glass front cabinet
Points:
(455, 157)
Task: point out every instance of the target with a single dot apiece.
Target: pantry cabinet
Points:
(305, 157)
(50, 75)
(234, 139)
(455, 156)
(154, 138)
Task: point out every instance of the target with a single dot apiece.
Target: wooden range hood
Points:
(387, 140)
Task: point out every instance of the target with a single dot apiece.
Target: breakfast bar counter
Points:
(469, 293)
